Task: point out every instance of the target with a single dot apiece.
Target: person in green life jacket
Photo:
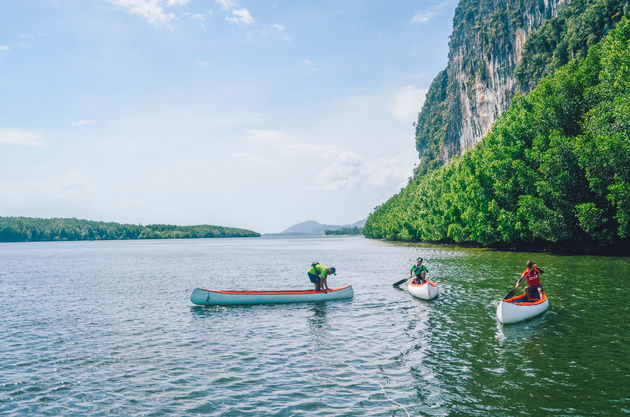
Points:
(318, 274)
(418, 272)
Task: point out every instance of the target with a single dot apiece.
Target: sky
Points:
(254, 114)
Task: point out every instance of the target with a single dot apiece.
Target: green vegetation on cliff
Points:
(578, 26)
(24, 229)
(554, 168)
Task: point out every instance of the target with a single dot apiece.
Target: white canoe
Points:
(426, 291)
(203, 297)
(513, 311)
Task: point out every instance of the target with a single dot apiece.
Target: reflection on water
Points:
(205, 311)
(317, 316)
(522, 330)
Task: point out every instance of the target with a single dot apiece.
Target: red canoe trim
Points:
(420, 285)
(274, 292)
(532, 303)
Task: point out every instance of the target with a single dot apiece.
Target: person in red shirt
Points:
(534, 290)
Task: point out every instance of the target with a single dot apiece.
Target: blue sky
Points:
(238, 113)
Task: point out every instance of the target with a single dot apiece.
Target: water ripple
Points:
(106, 328)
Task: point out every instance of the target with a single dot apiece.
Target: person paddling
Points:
(418, 272)
(318, 274)
(534, 290)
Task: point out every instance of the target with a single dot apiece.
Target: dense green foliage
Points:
(554, 168)
(431, 125)
(345, 231)
(578, 26)
(23, 229)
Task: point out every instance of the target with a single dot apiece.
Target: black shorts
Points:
(532, 292)
(314, 278)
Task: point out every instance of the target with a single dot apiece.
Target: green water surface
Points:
(107, 328)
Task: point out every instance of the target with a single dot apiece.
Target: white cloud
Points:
(276, 30)
(387, 173)
(340, 168)
(199, 17)
(22, 137)
(4, 48)
(350, 171)
(308, 64)
(240, 17)
(407, 102)
(342, 172)
(151, 11)
(422, 17)
(226, 4)
(430, 12)
(83, 122)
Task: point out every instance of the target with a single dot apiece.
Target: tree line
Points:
(25, 229)
(345, 231)
(555, 167)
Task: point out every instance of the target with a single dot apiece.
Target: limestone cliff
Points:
(497, 48)
(482, 66)
(478, 83)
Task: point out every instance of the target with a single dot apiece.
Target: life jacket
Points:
(532, 277)
(322, 272)
(417, 270)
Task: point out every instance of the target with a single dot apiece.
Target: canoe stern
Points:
(426, 291)
(511, 312)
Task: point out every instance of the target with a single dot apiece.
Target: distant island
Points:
(313, 228)
(29, 229)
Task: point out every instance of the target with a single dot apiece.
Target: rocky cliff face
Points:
(482, 65)
(479, 82)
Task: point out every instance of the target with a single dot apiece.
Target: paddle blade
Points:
(402, 281)
(510, 294)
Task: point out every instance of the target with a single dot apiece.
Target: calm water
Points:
(106, 328)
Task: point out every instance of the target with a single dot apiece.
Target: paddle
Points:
(402, 281)
(511, 293)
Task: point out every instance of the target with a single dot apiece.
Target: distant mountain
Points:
(360, 223)
(311, 227)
